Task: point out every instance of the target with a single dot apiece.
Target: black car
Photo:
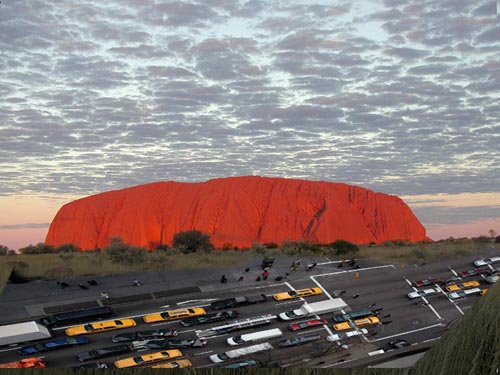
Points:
(104, 352)
(144, 335)
(298, 341)
(176, 343)
(93, 365)
(238, 301)
(398, 344)
(209, 318)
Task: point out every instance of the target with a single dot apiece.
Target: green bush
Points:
(67, 248)
(343, 248)
(192, 241)
(120, 252)
(4, 250)
(39, 248)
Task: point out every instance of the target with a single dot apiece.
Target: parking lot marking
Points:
(453, 272)
(358, 270)
(210, 351)
(407, 332)
(427, 303)
(321, 287)
(451, 301)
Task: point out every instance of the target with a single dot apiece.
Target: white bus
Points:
(235, 353)
(255, 336)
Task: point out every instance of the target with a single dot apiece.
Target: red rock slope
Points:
(238, 210)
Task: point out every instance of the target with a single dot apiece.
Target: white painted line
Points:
(451, 301)
(320, 286)
(195, 301)
(407, 332)
(453, 272)
(358, 270)
(14, 348)
(329, 262)
(164, 306)
(210, 351)
(432, 308)
(297, 300)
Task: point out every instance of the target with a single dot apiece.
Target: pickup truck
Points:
(238, 301)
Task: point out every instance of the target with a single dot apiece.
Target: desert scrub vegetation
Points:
(42, 261)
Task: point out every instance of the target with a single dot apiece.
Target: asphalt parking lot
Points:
(382, 287)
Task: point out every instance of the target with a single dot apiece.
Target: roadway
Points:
(378, 286)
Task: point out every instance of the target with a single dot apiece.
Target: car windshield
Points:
(292, 293)
(88, 327)
(138, 360)
(237, 339)
(118, 322)
(41, 346)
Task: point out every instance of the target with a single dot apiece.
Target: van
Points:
(235, 353)
(77, 316)
(255, 336)
(353, 315)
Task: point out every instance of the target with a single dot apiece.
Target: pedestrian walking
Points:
(240, 279)
(137, 282)
(247, 269)
(104, 295)
(355, 296)
(92, 282)
(258, 278)
(265, 275)
(223, 279)
(82, 286)
(64, 285)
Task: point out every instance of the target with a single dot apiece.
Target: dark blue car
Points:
(53, 345)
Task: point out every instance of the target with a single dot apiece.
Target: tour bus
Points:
(353, 315)
(255, 336)
(235, 353)
(77, 316)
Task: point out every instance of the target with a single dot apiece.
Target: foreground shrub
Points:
(192, 241)
(120, 252)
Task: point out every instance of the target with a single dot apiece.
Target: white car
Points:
(346, 335)
(422, 293)
(463, 293)
(492, 278)
(486, 261)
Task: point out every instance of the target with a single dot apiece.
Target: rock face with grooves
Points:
(236, 210)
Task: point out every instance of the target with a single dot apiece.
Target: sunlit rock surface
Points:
(236, 210)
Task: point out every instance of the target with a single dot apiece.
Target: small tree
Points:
(4, 250)
(343, 248)
(120, 252)
(67, 248)
(192, 241)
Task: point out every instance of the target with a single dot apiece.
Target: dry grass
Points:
(51, 266)
(5, 270)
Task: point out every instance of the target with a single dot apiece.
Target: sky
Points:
(396, 96)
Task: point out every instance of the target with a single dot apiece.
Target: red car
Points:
(426, 282)
(469, 273)
(309, 323)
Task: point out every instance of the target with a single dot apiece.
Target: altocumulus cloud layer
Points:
(397, 96)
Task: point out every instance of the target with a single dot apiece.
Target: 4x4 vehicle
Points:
(463, 293)
(298, 341)
(176, 343)
(173, 314)
(486, 261)
(356, 323)
(297, 293)
(398, 344)
(209, 318)
(460, 286)
(104, 352)
(144, 335)
(307, 324)
(238, 301)
(428, 281)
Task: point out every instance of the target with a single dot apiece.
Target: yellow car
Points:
(297, 293)
(100, 327)
(181, 363)
(148, 358)
(356, 323)
(174, 314)
(460, 286)
(483, 292)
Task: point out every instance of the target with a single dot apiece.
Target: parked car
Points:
(483, 291)
(93, 365)
(100, 327)
(144, 335)
(209, 318)
(463, 293)
(356, 323)
(181, 363)
(491, 279)
(307, 324)
(460, 286)
(346, 335)
(176, 343)
(486, 261)
(429, 281)
(238, 301)
(53, 345)
(297, 293)
(422, 293)
(477, 271)
(398, 344)
(148, 358)
(173, 314)
(103, 352)
(246, 363)
(299, 340)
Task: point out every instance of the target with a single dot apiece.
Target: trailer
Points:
(23, 332)
(25, 363)
(315, 308)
